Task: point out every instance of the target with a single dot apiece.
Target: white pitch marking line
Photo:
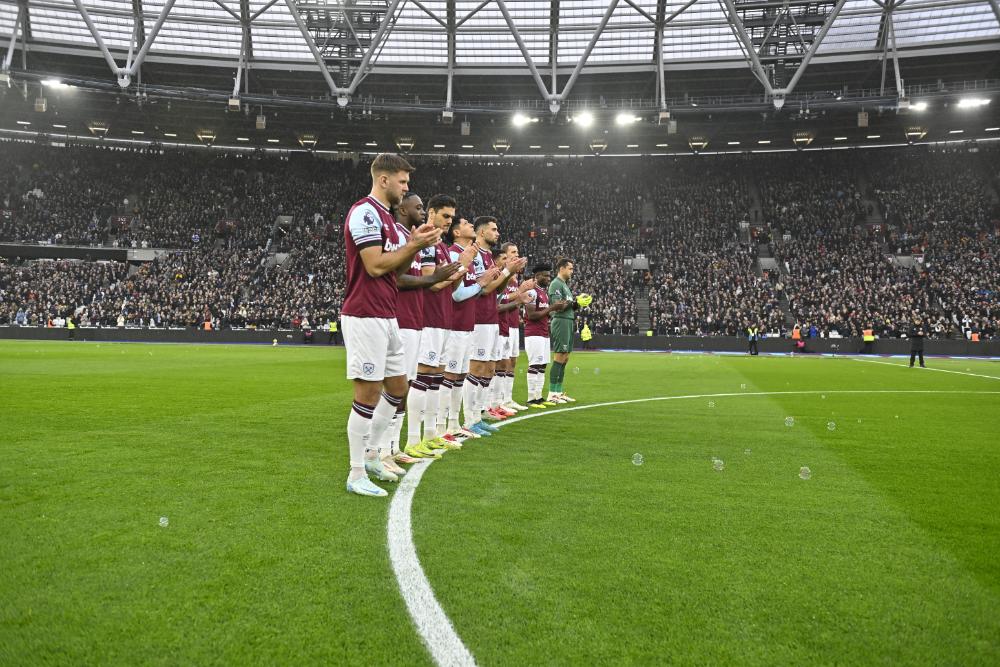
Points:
(939, 370)
(432, 623)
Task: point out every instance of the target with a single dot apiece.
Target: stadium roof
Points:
(349, 39)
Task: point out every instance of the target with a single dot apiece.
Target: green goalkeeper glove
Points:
(584, 300)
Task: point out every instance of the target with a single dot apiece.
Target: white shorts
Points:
(433, 347)
(504, 347)
(486, 342)
(374, 348)
(411, 349)
(457, 355)
(537, 349)
(514, 344)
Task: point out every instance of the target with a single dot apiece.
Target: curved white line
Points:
(937, 370)
(432, 623)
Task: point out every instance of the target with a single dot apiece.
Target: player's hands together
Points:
(447, 272)
(518, 265)
(488, 276)
(527, 285)
(524, 298)
(465, 259)
(559, 306)
(425, 236)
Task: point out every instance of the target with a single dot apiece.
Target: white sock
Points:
(469, 398)
(508, 387)
(390, 444)
(444, 406)
(431, 414)
(359, 428)
(382, 417)
(454, 408)
(485, 398)
(416, 402)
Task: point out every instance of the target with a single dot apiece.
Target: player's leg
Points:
(922, 358)
(913, 357)
(457, 371)
(476, 384)
(515, 351)
(367, 343)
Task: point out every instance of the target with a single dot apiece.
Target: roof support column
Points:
(18, 24)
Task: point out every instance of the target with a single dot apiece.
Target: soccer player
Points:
(536, 334)
(376, 251)
(561, 330)
(463, 321)
(486, 333)
(431, 390)
(514, 297)
(410, 316)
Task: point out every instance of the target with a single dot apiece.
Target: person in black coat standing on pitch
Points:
(917, 334)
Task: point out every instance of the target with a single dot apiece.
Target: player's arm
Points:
(441, 275)
(367, 236)
(506, 273)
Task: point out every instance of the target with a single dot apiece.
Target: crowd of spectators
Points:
(231, 265)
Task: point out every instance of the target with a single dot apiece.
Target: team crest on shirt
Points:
(367, 368)
(482, 352)
(432, 355)
(452, 364)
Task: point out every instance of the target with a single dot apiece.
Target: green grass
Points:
(545, 544)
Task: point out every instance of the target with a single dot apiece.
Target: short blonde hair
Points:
(390, 163)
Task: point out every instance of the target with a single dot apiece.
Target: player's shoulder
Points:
(364, 217)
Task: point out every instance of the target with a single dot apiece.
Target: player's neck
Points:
(484, 244)
(380, 198)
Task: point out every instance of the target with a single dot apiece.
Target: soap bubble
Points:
(637, 459)
(718, 464)
(823, 396)
(805, 472)
(711, 404)
(576, 370)
(164, 522)
(789, 421)
(859, 421)
(747, 452)
(597, 371)
(743, 386)
(830, 426)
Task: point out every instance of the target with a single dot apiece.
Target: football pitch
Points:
(181, 504)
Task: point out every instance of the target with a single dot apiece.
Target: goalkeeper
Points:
(561, 328)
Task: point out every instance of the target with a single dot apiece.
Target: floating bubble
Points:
(823, 396)
(831, 426)
(718, 464)
(711, 404)
(597, 371)
(805, 472)
(743, 386)
(274, 341)
(637, 459)
(576, 370)
(859, 421)
(789, 421)
(747, 452)
(897, 416)
(164, 522)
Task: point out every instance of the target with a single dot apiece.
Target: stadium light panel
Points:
(242, 138)
(23, 122)
(972, 102)
(138, 133)
(915, 133)
(172, 135)
(55, 83)
(992, 129)
(564, 147)
(840, 138)
(534, 147)
(631, 145)
(764, 142)
(585, 119)
(663, 145)
(272, 141)
(467, 146)
(732, 143)
(956, 131)
(341, 143)
(58, 126)
(405, 144)
(371, 144)
(874, 136)
(626, 118)
(919, 106)
(439, 146)
(520, 120)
